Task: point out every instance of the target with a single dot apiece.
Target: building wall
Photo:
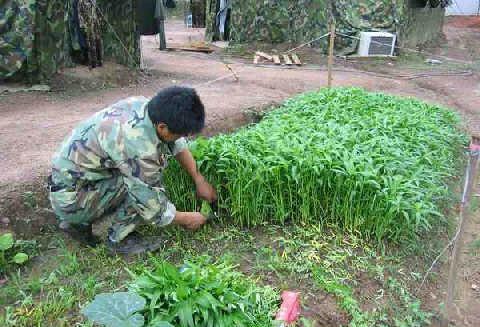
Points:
(464, 7)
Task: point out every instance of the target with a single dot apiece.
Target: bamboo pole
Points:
(330, 53)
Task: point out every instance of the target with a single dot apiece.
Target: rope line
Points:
(309, 42)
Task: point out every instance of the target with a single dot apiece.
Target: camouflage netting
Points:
(298, 21)
(36, 39)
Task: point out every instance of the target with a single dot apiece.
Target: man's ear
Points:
(160, 127)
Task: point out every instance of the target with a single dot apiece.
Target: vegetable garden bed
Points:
(368, 163)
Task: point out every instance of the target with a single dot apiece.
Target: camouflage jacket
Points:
(119, 141)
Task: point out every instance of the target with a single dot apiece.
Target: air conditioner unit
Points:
(376, 44)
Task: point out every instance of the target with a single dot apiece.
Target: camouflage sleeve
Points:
(179, 146)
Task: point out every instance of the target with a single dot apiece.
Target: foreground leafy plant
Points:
(198, 294)
(116, 310)
(204, 294)
(8, 255)
(368, 163)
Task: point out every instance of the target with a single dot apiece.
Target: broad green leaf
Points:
(116, 309)
(6, 241)
(20, 258)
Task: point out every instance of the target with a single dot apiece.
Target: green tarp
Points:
(298, 21)
(36, 39)
(16, 35)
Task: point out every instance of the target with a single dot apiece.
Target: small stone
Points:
(475, 287)
(5, 221)
(434, 297)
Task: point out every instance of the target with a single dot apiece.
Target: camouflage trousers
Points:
(106, 201)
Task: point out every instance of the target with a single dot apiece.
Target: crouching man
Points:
(112, 165)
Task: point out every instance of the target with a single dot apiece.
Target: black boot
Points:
(134, 243)
(80, 233)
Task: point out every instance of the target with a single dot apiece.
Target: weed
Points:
(474, 248)
(30, 200)
(10, 253)
(304, 257)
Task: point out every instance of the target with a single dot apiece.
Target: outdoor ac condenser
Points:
(376, 44)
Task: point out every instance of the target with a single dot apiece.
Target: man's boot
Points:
(81, 233)
(134, 243)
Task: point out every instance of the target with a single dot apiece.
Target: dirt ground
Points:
(33, 124)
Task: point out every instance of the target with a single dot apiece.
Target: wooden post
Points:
(470, 182)
(142, 63)
(161, 36)
(330, 52)
(160, 12)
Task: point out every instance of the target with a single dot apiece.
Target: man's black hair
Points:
(180, 108)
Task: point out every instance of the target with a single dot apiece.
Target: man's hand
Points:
(189, 220)
(205, 191)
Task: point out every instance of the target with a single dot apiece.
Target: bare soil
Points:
(32, 125)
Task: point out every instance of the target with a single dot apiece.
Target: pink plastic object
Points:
(290, 308)
(474, 147)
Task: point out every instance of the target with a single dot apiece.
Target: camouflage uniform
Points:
(112, 164)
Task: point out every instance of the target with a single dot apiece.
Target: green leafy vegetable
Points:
(368, 163)
(203, 294)
(116, 310)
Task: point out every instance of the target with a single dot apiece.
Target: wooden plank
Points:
(255, 60)
(296, 60)
(264, 55)
(276, 59)
(187, 48)
(287, 60)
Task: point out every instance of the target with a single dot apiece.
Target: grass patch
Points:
(64, 278)
(367, 163)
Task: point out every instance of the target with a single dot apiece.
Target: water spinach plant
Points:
(368, 163)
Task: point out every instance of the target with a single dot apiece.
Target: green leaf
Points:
(116, 310)
(20, 258)
(158, 323)
(185, 314)
(6, 241)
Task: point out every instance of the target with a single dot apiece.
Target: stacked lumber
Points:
(288, 59)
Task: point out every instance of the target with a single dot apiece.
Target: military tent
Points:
(37, 37)
(273, 21)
